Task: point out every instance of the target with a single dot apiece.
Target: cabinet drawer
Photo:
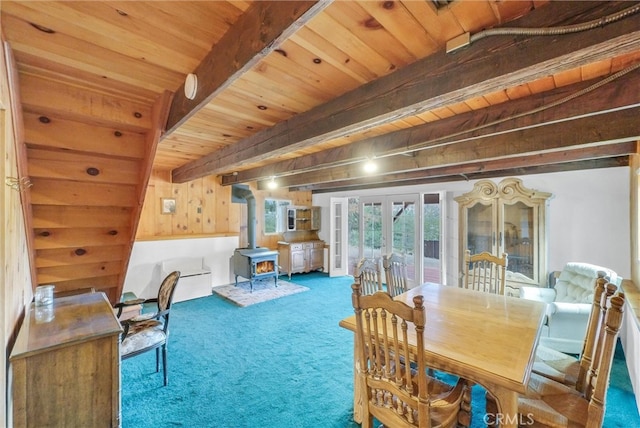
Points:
(308, 245)
(318, 245)
(296, 247)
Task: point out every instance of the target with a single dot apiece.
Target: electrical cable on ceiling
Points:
(553, 31)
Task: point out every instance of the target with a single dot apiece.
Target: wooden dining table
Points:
(486, 338)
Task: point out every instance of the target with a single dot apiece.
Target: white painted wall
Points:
(587, 217)
(144, 276)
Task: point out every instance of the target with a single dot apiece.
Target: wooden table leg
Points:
(357, 385)
(507, 406)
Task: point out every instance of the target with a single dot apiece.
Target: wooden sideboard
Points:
(66, 371)
(299, 257)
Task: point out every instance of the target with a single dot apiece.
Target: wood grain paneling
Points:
(76, 237)
(80, 167)
(64, 192)
(219, 215)
(55, 133)
(53, 275)
(52, 216)
(60, 100)
(84, 254)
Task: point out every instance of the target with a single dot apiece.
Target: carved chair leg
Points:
(491, 410)
(464, 415)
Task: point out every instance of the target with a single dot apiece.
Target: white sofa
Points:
(569, 303)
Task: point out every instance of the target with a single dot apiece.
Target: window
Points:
(274, 215)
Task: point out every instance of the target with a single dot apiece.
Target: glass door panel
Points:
(353, 234)
(480, 230)
(431, 238)
(404, 233)
(337, 236)
(371, 229)
(519, 229)
(338, 243)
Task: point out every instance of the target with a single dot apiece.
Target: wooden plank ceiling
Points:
(303, 92)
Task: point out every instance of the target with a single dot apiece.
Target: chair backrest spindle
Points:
(485, 272)
(601, 296)
(601, 367)
(368, 274)
(395, 272)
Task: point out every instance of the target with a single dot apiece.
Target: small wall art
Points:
(168, 206)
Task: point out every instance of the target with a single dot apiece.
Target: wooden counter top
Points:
(299, 242)
(65, 368)
(68, 326)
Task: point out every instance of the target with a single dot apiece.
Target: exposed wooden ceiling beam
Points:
(537, 169)
(621, 125)
(259, 30)
(505, 117)
(488, 168)
(428, 83)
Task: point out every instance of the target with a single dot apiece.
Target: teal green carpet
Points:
(284, 363)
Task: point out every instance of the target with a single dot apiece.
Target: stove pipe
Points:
(245, 193)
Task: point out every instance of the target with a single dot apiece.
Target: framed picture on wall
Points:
(168, 205)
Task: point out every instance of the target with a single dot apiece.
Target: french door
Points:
(392, 224)
(339, 239)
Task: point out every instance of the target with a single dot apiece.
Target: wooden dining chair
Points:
(397, 393)
(369, 275)
(395, 273)
(566, 408)
(553, 404)
(567, 369)
(485, 272)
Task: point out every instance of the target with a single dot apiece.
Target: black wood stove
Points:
(253, 263)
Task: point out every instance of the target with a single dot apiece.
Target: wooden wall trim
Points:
(168, 238)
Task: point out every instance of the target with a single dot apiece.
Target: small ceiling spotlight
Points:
(370, 165)
(272, 184)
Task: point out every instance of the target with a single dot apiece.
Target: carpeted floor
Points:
(244, 294)
(284, 363)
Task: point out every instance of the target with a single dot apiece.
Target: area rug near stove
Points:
(263, 291)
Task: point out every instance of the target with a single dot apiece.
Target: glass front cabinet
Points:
(506, 218)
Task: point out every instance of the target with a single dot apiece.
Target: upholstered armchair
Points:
(569, 302)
